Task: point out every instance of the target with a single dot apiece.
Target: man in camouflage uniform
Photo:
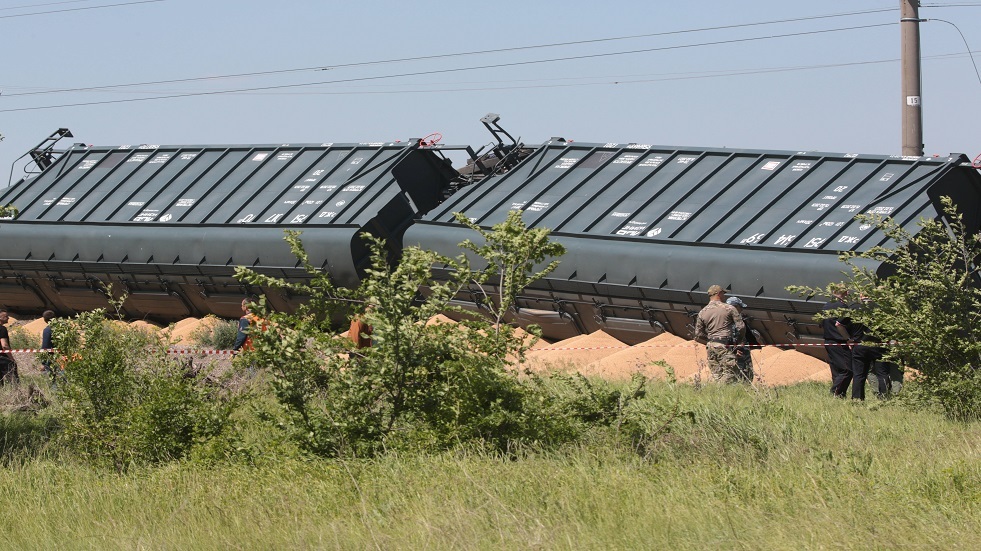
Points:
(744, 358)
(720, 326)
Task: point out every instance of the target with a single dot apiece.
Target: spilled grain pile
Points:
(183, 331)
(35, 327)
(639, 358)
(438, 319)
(791, 366)
(574, 353)
(528, 338)
(144, 325)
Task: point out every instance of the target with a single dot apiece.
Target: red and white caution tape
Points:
(169, 351)
(206, 352)
(216, 352)
(686, 345)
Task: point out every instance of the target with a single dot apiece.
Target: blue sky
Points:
(322, 71)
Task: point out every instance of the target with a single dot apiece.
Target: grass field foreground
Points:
(736, 469)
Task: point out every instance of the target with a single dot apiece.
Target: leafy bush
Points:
(929, 303)
(564, 407)
(422, 386)
(417, 386)
(125, 400)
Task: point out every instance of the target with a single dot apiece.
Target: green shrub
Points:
(216, 333)
(20, 338)
(125, 399)
(421, 386)
(562, 408)
(418, 386)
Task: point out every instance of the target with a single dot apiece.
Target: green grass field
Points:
(736, 469)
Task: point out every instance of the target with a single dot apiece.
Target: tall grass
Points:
(735, 469)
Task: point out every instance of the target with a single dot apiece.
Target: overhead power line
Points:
(78, 9)
(43, 5)
(429, 87)
(966, 46)
(454, 70)
(622, 80)
(449, 55)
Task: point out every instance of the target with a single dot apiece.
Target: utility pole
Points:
(912, 103)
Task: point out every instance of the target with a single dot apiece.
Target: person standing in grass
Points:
(837, 332)
(242, 339)
(8, 366)
(864, 356)
(46, 343)
(743, 349)
(719, 326)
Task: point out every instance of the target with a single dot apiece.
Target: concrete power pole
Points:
(912, 103)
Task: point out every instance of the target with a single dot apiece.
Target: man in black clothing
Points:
(47, 344)
(836, 334)
(884, 373)
(863, 355)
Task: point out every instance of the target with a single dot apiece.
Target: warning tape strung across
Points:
(796, 345)
(202, 351)
(169, 351)
(214, 352)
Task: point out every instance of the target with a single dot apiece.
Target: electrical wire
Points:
(81, 9)
(622, 81)
(539, 83)
(443, 86)
(450, 55)
(634, 79)
(45, 4)
(968, 47)
(444, 71)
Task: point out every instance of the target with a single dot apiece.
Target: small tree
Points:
(929, 303)
(514, 255)
(417, 385)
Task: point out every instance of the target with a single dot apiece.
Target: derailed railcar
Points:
(648, 229)
(169, 224)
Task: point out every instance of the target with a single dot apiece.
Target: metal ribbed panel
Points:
(766, 199)
(648, 229)
(325, 184)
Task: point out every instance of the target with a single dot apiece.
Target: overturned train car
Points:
(168, 225)
(647, 228)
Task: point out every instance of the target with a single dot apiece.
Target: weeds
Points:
(215, 333)
(22, 339)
